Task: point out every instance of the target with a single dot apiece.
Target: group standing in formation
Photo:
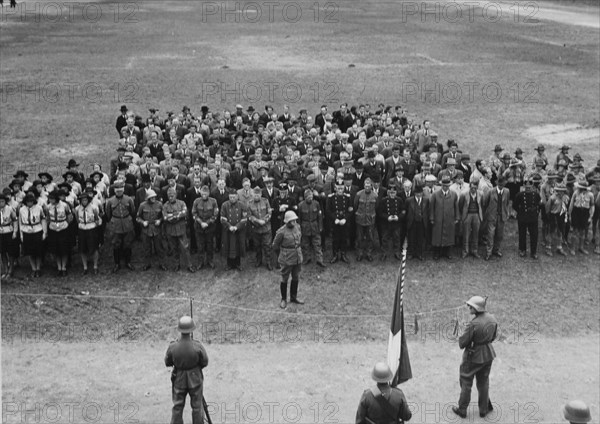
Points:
(187, 186)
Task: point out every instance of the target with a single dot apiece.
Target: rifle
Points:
(204, 404)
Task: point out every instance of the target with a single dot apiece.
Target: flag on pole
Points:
(397, 356)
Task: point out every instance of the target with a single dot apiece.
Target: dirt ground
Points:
(297, 382)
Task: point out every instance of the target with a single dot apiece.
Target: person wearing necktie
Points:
(33, 229)
(495, 205)
(87, 216)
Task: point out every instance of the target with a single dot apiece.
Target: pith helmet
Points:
(289, 216)
(477, 302)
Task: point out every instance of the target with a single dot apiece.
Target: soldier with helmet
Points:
(382, 403)
(187, 357)
(577, 412)
(478, 356)
(287, 245)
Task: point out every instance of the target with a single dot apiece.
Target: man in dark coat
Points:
(234, 216)
(121, 119)
(417, 219)
(478, 356)
(187, 357)
(382, 403)
(443, 217)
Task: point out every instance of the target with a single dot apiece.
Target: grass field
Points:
(63, 83)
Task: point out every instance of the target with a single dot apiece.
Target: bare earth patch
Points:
(559, 134)
(307, 382)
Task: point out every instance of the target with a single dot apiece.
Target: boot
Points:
(335, 258)
(117, 259)
(581, 248)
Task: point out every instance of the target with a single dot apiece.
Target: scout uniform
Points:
(557, 207)
(88, 221)
(9, 242)
(33, 230)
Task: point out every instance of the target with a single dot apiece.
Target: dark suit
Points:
(417, 217)
(477, 360)
(190, 195)
(495, 221)
(121, 122)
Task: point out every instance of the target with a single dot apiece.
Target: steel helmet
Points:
(289, 216)
(576, 411)
(186, 325)
(478, 303)
(381, 373)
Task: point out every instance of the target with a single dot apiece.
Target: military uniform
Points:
(527, 205)
(365, 205)
(234, 243)
(477, 360)
(188, 357)
(377, 407)
(151, 234)
(205, 212)
(311, 223)
(337, 210)
(287, 245)
(175, 215)
(119, 214)
(261, 233)
(394, 208)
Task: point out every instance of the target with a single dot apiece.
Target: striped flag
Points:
(397, 356)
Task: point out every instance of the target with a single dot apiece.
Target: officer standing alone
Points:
(187, 357)
(477, 358)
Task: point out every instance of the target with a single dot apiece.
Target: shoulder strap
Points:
(385, 404)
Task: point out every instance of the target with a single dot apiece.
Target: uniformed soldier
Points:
(365, 204)
(205, 212)
(527, 205)
(311, 223)
(187, 357)
(338, 213)
(150, 218)
(287, 247)
(478, 356)
(174, 216)
(281, 204)
(120, 211)
(382, 404)
(259, 215)
(234, 217)
(392, 211)
(577, 412)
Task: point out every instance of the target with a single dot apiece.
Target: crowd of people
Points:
(188, 185)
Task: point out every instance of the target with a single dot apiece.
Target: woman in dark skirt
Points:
(33, 228)
(87, 216)
(9, 241)
(59, 241)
